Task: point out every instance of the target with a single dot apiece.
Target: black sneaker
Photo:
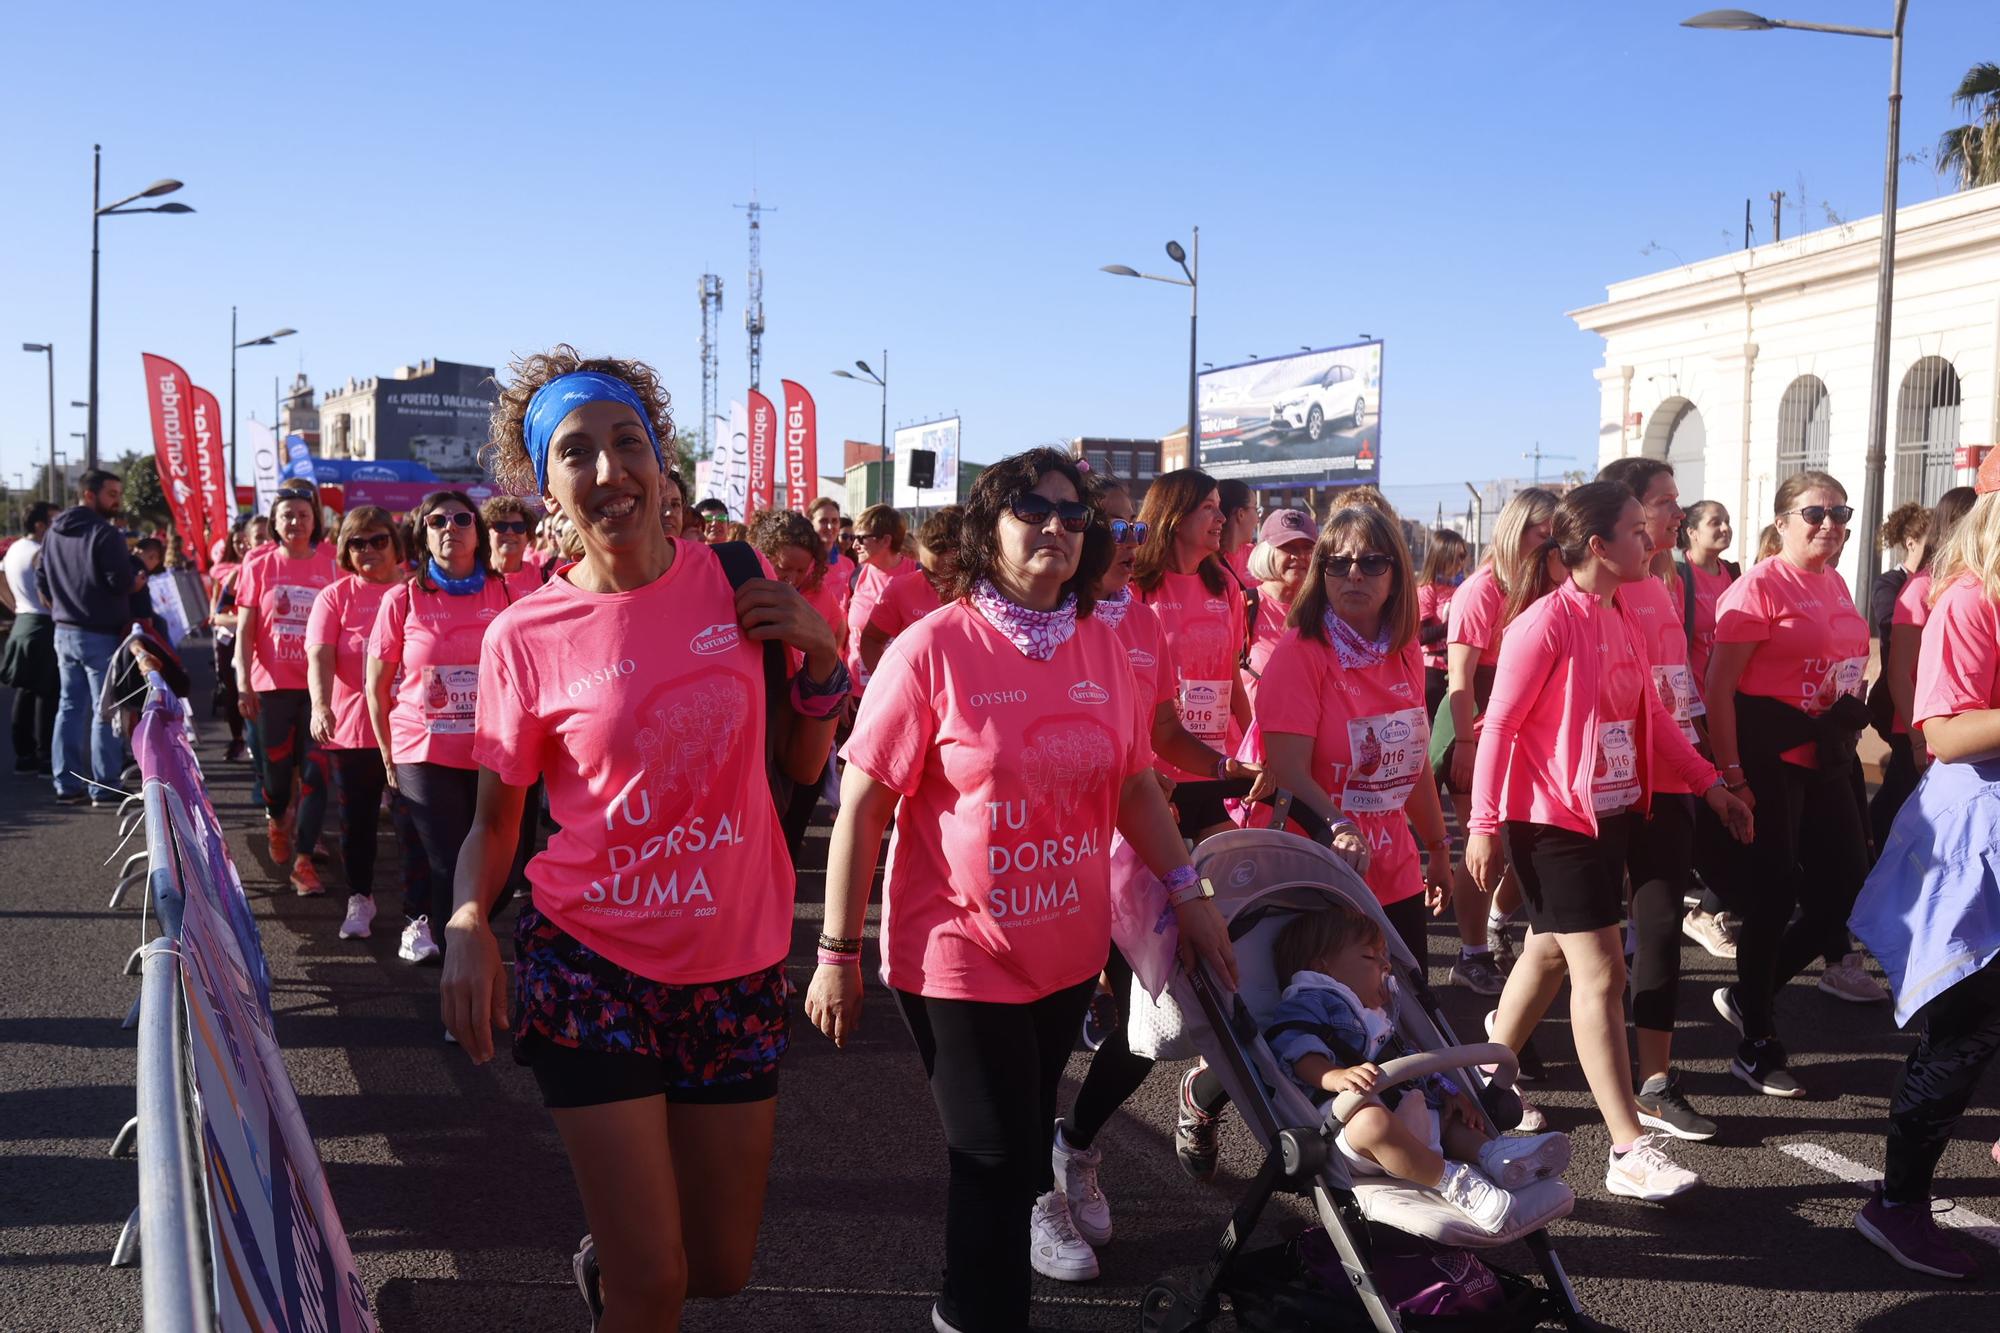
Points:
(1099, 1019)
(1194, 1134)
(584, 1268)
(1761, 1064)
(1725, 1004)
(71, 798)
(1478, 973)
(1662, 1107)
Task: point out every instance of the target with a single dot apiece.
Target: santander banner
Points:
(211, 474)
(763, 434)
(801, 446)
(171, 396)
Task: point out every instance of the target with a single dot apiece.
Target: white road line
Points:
(1977, 1225)
(880, 1292)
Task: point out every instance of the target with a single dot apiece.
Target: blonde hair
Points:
(1972, 549)
(1526, 508)
(1376, 530)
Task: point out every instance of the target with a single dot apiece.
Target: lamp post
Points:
(99, 211)
(49, 350)
(868, 376)
(1737, 20)
(1192, 281)
(234, 348)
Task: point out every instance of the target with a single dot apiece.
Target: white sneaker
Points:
(1076, 1180)
(1648, 1173)
(360, 915)
(1512, 1163)
(1848, 980)
(1476, 1196)
(418, 946)
(1054, 1247)
(1532, 1120)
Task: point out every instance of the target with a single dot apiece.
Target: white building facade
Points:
(1743, 369)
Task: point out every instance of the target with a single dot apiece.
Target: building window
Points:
(1805, 424)
(1926, 431)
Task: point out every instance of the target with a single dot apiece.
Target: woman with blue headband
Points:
(650, 999)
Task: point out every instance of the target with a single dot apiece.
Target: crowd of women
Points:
(588, 695)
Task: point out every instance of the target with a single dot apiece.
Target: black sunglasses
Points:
(509, 525)
(457, 518)
(1034, 510)
(1814, 515)
(1128, 532)
(379, 542)
(1373, 565)
(871, 536)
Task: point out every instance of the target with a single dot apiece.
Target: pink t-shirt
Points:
(1621, 693)
(1474, 614)
(1434, 608)
(436, 637)
(1708, 590)
(1151, 660)
(1913, 603)
(282, 589)
(524, 580)
(1264, 636)
(1958, 668)
(1812, 645)
(644, 712)
(1655, 613)
(1204, 632)
(1238, 561)
(1370, 743)
(869, 585)
(1010, 771)
(342, 617)
(907, 598)
(828, 599)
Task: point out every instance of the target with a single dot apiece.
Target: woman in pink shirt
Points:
(650, 993)
(510, 529)
(1006, 735)
(881, 532)
(1784, 711)
(915, 593)
(1277, 566)
(1446, 559)
(337, 632)
(1575, 735)
(1907, 756)
(274, 596)
(227, 559)
(787, 541)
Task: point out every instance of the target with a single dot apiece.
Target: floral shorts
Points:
(594, 1032)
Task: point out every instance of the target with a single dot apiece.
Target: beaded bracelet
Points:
(839, 945)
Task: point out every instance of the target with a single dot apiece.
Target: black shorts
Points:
(1571, 883)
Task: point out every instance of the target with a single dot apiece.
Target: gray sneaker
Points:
(1479, 973)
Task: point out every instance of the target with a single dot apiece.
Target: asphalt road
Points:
(458, 1203)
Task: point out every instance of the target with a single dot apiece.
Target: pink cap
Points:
(1288, 525)
(1988, 479)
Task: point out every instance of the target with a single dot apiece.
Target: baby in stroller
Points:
(1335, 1024)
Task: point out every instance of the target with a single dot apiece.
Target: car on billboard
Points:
(1335, 395)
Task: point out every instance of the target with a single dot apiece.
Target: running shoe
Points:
(305, 878)
(1713, 931)
(234, 754)
(1099, 1019)
(1484, 1202)
(1725, 1004)
(1055, 1249)
(1478, 972)
(1194, 1134)
(1662, 1107)
(1910, 1235)
(1513, 1162)
(1848, 980)
(1076, 1180)
(71, 798)
(360, 916)
(1532, 1120)
(1500, 939)
(1644, 1171)
(1761, 1064)
(584, 1266)
(280, 839)
(418, 946)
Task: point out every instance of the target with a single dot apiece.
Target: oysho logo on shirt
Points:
(991, 697)
(1089, 692)
(603, 675)
(716, 639)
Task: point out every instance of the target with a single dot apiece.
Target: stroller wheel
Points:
(1168, 1308)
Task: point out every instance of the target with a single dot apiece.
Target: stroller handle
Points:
(1410, 1068)
(1208, 796)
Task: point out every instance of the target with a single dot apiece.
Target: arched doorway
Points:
(1805, 427)
(1927, 430)
(1676, 434)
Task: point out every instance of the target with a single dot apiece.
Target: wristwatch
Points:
(1198, 891)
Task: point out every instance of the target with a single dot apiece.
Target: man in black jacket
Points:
(87, 578)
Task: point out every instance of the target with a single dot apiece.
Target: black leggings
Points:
(1657, 861)
(1816, 867)
(1961, 1032)
(441, 801)
(283, 718)
(359, 779)
(1115, 1073)
(994, 1071)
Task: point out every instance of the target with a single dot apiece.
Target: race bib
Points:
(1386, 758)
(1675, 687)
(291, 607)
(1614, 784)
(451, 695)
(1204, 707)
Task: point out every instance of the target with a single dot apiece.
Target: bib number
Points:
(291, 606)
(1675, 687)
(1386, 756)
(1204, 707)
(451, 697)
(1614, 784)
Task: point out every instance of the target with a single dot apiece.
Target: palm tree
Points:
(1973, 151)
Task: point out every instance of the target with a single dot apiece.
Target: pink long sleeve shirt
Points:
(1541, 751)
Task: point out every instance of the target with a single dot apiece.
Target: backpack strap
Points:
(1253, 605)
(740, 565)
(1686, 573)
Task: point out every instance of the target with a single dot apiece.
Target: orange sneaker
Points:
(280, 839)
(305, 879)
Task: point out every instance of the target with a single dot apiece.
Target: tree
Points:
(145, 502)
(1972, 152)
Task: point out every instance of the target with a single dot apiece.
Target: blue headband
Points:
(563, 395)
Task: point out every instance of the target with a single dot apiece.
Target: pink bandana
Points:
(1355, 653)
(1111, 610)
(1036, 633)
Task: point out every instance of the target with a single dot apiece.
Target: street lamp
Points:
(1738, 20)
(1192, 281)
(49, 350)
(234, 347)
(868, 376)
(100, 210)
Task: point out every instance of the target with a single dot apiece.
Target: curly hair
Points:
(979, 539)
(505, 456)
(775, 529)
(1907, 522)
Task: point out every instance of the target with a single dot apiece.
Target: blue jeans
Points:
(83, 657)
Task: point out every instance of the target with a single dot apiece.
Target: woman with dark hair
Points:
(274, 597)
(787, 541)
(423, 690)
(226, 561)
(1784, 711)
(1241, 518)
(1008, 737)
(337, 632)
(1180, 574)
(1909, 610)
(915, 593)
(1574, 736)
(881, 533)
(650, 998)
(510, 532)
(1446, 559)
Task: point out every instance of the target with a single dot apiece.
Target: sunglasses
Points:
(871, 536)
(1372, 566)
(1814, 515)
(1127, 532)
(511, 525)
(379, 542)
(457, 518)
(1034, 510)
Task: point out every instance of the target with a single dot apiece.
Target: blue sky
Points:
(469, 182)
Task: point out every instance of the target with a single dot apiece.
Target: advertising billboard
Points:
(939, 439)
(1313, 418)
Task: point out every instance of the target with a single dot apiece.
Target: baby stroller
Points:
(1262, 878)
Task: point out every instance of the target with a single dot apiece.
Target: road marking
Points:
(1976, 1225)
(879, 1292)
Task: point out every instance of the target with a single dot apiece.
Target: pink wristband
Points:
(828, 958)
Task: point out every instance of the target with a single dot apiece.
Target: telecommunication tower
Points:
(753, 309)
(711, 309)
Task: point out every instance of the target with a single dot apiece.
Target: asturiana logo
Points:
(1089, 692)
(716, 639)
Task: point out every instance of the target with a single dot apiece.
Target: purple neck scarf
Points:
(1036, 633)
(1111, 610)
(1355, 653)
